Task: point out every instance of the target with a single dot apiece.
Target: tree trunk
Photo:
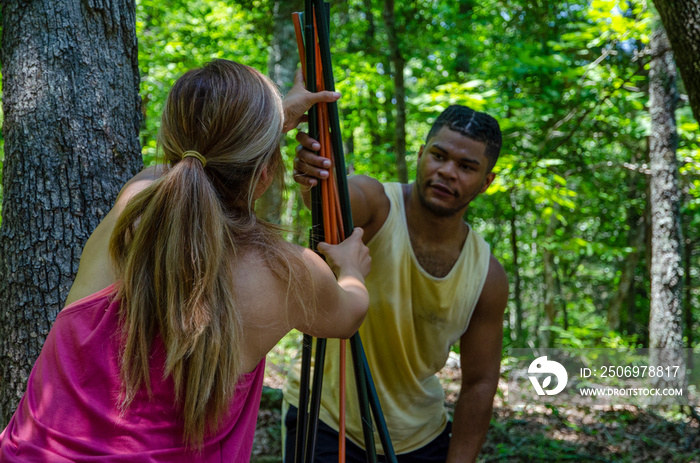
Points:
(284, 56)
(691, 239)
(71, 124)
(624, 289)
(398, 63)
(369, 19)
(371, 109)
(562, 300)
(681, 19)
(687, 307)
(665, 321)
(466, 8)
(549, 306)
(635, 240)
(516, 316)
(349, 150)
(282, 64)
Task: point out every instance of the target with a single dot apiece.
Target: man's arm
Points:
(368, 201)
(480, 352)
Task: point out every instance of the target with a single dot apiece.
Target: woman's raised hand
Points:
(299, 100)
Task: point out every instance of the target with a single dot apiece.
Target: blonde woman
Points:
(181, 291)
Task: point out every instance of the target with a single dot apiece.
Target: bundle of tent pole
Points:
(331, 222)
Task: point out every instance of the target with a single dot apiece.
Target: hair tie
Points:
(195, 154)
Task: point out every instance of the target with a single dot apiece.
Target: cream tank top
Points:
(413, 320)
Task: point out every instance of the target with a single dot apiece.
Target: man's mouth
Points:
(441, 189)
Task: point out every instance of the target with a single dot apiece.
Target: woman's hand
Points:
(299, 100)
(349, 258)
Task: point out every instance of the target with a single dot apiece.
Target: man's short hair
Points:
(473, 124)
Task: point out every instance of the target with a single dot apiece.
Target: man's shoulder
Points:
(370, 204)
(495, 289)
(497, 274)
(367, 184)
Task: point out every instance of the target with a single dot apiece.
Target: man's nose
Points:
(447, 169)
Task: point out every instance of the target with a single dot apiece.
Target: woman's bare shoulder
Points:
(95, 270)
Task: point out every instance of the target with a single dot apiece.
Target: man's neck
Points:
(426, 224)
(437, 241)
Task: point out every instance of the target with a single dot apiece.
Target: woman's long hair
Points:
(176, 243)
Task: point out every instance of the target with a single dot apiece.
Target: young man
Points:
(434, 282)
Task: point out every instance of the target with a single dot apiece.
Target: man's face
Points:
(452, 171)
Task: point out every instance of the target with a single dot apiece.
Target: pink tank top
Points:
(69, 412)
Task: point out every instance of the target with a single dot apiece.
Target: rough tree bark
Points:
(665, 321)
(398, 63)
(681, 19)
(71, 124)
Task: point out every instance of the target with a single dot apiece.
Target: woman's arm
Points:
(339, 288)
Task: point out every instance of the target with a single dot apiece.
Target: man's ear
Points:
(420, 151)
(487, 181)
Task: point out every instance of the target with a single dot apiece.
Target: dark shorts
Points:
(327, 445)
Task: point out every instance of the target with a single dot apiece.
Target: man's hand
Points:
(299, 100)
(309, 167)
(369, 203)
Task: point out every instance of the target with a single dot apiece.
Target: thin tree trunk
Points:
(634, 314)
(71, 124)
(349, 149)
(516, 316)
(284, 57)
(635, 241)
(466, 7)
(371, 108)
(632, 325)
(665, 321)
(549, 306)
(688, 312)
(562, 300)
(282, 64)
(369, 18)
(398, 63)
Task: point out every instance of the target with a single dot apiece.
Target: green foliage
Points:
(179, 35)
(567, 81)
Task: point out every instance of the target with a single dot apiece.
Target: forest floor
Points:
(538, 434)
